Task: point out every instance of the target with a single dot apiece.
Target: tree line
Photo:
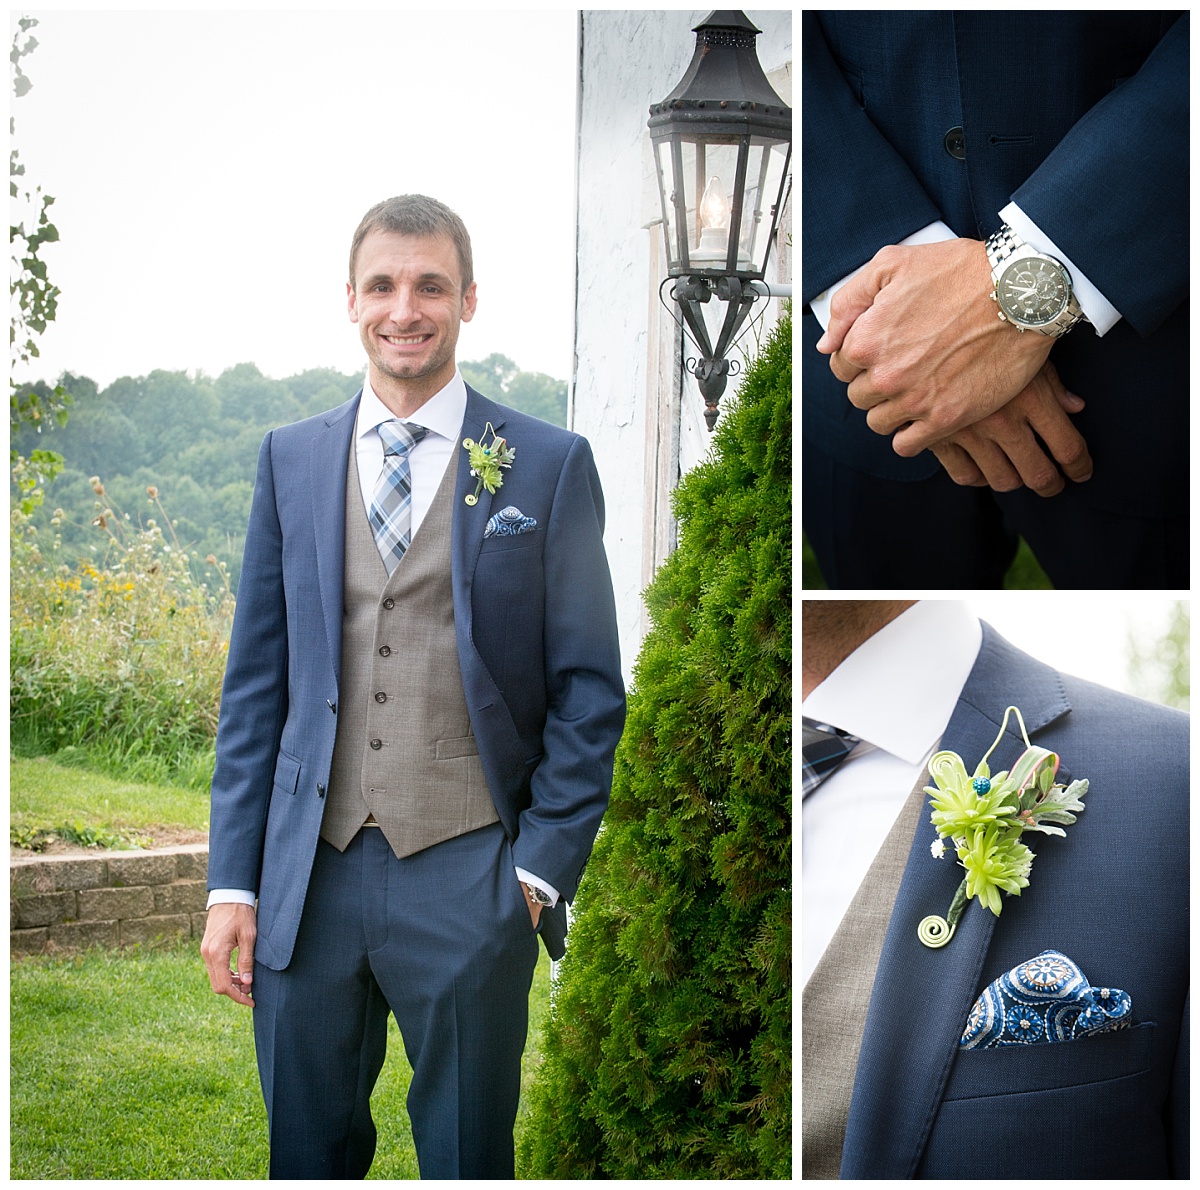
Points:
(195, 439)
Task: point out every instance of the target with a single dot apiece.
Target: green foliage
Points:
(1160, 659)
(193, 437)
(122, 657)
(110, 1051)
(33, 300)
(668, 1053)
(534, 393)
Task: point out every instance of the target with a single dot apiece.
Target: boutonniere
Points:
(486, 461)
(984, 816)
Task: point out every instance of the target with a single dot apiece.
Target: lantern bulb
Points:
(714, 207)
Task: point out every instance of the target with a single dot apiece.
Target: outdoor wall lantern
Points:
(722, 146)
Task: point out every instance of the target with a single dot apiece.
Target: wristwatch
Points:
(1033, 290)
(539, 896)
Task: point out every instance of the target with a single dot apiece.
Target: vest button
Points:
(376, 744)
(380, 696)
(384, 651)
(389, 603)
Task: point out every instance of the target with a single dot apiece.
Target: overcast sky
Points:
(1087, 635)
(209, 169)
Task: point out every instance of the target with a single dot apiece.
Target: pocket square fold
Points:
(1045, 999)
(508, 522)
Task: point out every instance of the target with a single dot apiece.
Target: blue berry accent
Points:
(981, 785)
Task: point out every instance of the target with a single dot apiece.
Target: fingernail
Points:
(823, 342)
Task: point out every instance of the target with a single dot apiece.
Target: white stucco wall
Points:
(626, 387)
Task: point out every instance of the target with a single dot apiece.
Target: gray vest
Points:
(833, 1007)
(404, 750)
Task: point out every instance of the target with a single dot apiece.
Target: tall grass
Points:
(116, 663)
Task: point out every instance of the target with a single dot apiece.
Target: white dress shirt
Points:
(442, 415)
(1098, 310)
(896, 692)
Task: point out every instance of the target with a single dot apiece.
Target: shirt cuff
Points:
(933, 233)
(529, 878)
(1098, 310)
(229, 896)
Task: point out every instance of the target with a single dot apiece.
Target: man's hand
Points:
(918, 340)
(1000, 451)
(535, 907)
(230, 927)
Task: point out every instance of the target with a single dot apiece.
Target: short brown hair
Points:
(416, 215)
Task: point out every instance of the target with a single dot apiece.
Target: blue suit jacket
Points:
(1112, 895)
(537, 644)
(1085, 125)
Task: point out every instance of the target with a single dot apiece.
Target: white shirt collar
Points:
(898, 689)
(442, 414)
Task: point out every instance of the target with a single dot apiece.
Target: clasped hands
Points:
(917, 339)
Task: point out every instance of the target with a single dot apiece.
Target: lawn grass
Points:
(125, 1065)
(45, 794)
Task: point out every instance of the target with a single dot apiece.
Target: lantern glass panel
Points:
(674, 216)
(765, 164)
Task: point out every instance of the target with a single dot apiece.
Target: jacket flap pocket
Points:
(287, 773)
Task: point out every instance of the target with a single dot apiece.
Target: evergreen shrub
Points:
(668, 1050)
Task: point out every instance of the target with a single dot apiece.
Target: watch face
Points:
(1034, 291)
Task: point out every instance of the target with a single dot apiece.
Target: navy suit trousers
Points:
(443, 940)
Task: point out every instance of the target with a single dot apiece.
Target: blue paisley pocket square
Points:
(508, 522)
(1044, 999)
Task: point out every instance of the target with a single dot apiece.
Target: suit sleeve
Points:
(585, 693)
(254, 699)
(1114, 191)
(847, 166)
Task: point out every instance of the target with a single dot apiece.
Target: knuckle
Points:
(1043, 481)
(1071, 453)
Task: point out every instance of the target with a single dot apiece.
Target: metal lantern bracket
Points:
(712, 369)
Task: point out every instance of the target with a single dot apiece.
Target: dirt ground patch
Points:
(154, 836)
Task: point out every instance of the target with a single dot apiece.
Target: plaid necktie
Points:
(824, 749)
(391, 505)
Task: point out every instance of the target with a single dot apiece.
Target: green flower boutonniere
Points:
(984, 816)
(486, 462)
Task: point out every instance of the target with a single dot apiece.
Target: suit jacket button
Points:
(955, 145)
(389, 603)
(320, 791)
(380, 696)
(384, 651)
(376, 744)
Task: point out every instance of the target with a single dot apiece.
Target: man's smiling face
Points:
(408, 302)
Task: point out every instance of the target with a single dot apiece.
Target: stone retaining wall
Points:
(113, 899)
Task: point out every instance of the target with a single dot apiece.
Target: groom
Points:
(417, 728)
(887, 1090)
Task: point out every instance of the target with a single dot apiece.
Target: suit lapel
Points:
(327, 464)
(470, 521)
(921, 996)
